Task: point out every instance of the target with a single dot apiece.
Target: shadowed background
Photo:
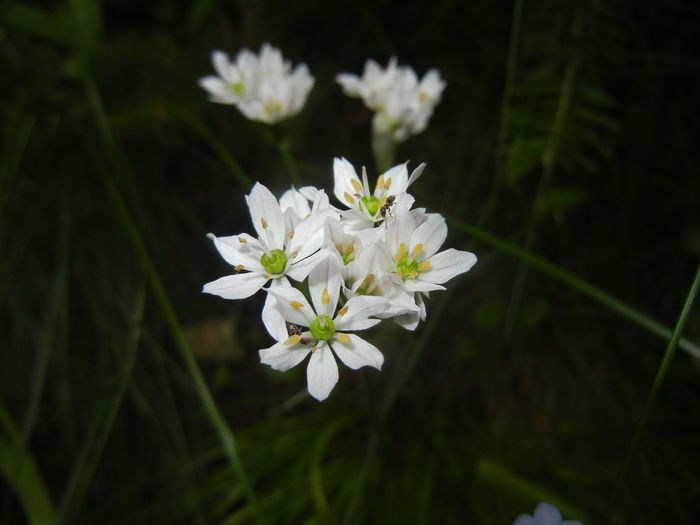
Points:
(567, 130)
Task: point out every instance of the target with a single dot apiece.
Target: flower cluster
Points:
(374, 257)
(263, 88)
(545, 514)
(402, 104)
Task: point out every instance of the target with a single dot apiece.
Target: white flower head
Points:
(545, 514)
(322, 331)
(367, 207)
(402, 104)
(263, 87)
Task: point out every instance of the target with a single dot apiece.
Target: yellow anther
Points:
(239, 268)
(263, 222)
(417, 249)
(380, 182)
(339, 247)
(348, 198)
(402, 252)
(399, 273)
(387, 184)
(291, 340)
(314, 349)
(350, 248)
(422, 96)
(382, 202)
(325, 298)
(290, 234)
(413, 274)
(356, 185)
(424, 266)
(266, 275)
(342, 311)
(241, 239)
(294, 254)
(296, 304)
(343, 338)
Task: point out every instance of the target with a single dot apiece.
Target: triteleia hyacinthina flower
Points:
(402, 104)
(545, 514)
(263, 87)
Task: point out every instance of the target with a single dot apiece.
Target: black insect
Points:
(386, 209)
(293, 329)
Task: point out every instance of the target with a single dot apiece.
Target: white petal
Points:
(447, 264)
(416, 173)
(324, 286)
(358, 353)
(267, 216)
(547, 514)
(408, 321)
(294, 306)
(417, 285)
(525, 519)
(399, 181)
(299, 269)
(281, 357)
(431, 234)
(322, 373)
(399, 230)
(343, 174)
(272, 315)
(359, 310)
(308, 236)
(240, 250)
(237, 286)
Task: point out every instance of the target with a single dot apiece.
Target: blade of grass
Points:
(19, 469)
(653, 393)
(579, 284)
(225, 434)
(91, 452)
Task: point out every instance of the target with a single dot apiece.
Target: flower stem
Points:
(384, 150)
(655, 387)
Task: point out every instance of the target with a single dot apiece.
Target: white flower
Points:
(545, 514)
(370, 207)
(402, 104)
(277, 252)
(326, 330)
(263, 87)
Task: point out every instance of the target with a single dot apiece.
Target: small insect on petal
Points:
(349, 198)
(343, 338)
(325, 298)
(291, 340)
(296, 304)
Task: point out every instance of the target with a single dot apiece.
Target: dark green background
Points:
(568, 129)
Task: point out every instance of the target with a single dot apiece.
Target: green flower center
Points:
(371, 203)
(238, 88)
(274, 262)
(322, 327)
(407, 267)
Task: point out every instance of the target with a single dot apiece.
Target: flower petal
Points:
(322, 372)
(272, 315)
(299, 269)
(358, 353)
(359, 310)
(282, 357)
(448, 264)
(266, 213)
(547, 514)
(237, 286)
(525, 519)
(292, 304)
(343, 188)
(431, 234)
(324, 286)
(241, 250)
(395, 181)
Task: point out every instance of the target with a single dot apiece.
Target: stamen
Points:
(342, 311)
(291, 340)
(241, 239)
(349, 198)
(382, 202)
(296, 304)
(325, 298)
(314, 349)
(413, 274)
(294, 254)
(402, 252)
(239, 268)
(387, 184)
(380, 182)
(356, 185)
(424, 266)
(263, 222)
(417, 249)
(290, 234)
(350, 248)
(343, 338)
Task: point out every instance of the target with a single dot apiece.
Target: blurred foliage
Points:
(567, 129)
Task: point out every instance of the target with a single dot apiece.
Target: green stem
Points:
(384, 150)
(653, 393)
(289, 161)
(579, 284)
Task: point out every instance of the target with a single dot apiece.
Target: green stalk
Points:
(225, 434)
(653, 393)
(289, 161)
(579, 284)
